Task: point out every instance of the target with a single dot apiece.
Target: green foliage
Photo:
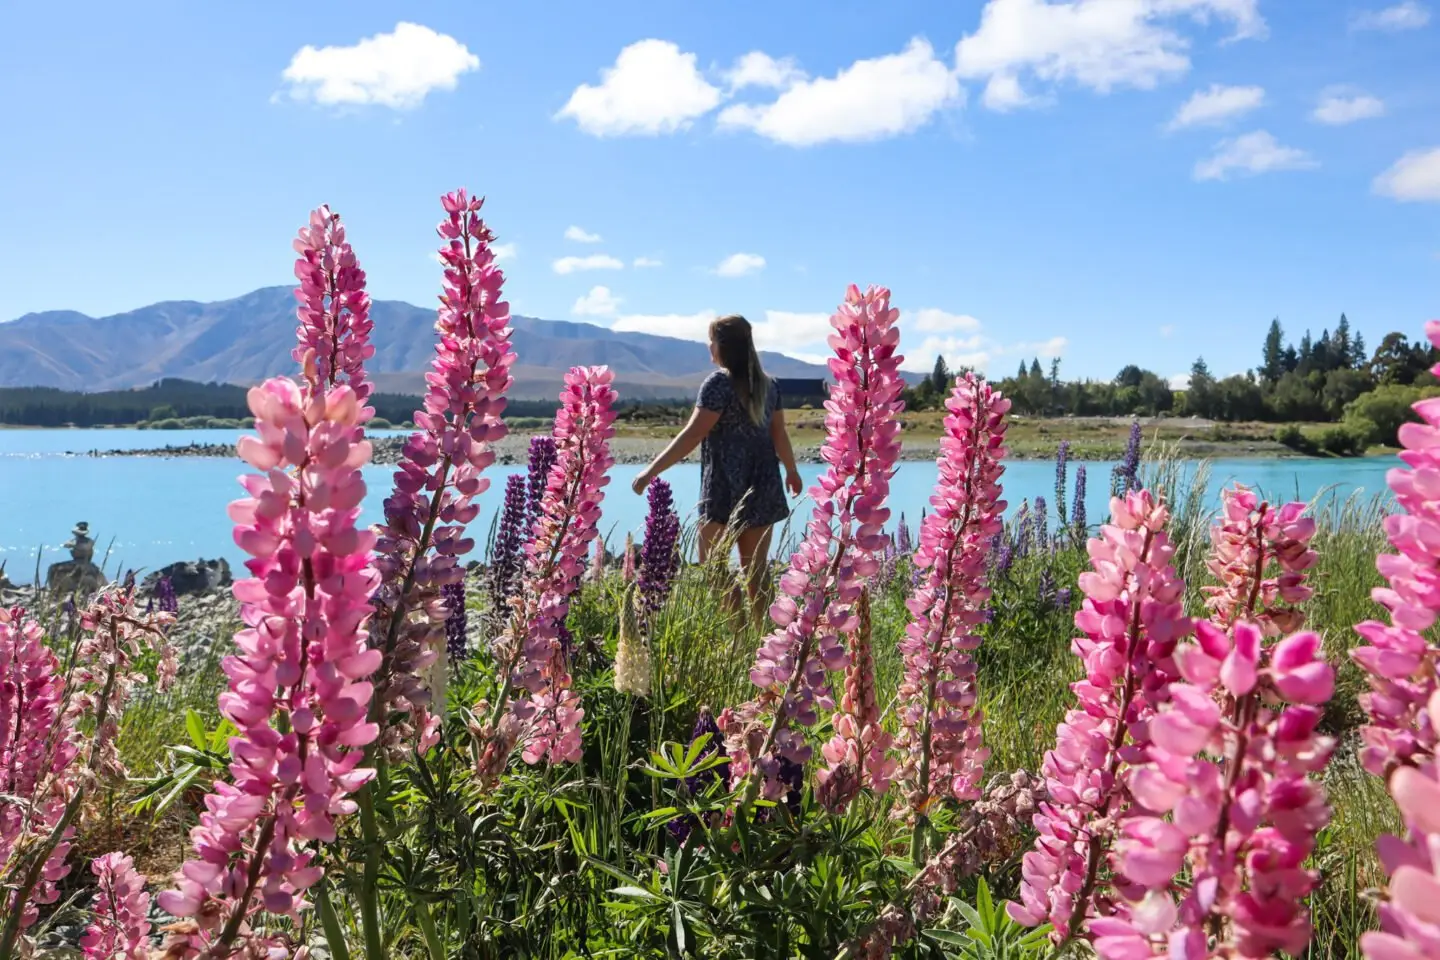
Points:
(1378, 414)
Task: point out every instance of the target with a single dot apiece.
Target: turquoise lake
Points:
(150, 511)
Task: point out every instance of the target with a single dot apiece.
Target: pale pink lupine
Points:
(1259, 555)
(840, 548)
(298, 691)
(1132, 619)
(858, 755)
(119, 930)
(537, 707)
(37, 769)
(940, 737)
(334, 313)
(1402, 663)
(1409, 920)
(1225, 794)
(440, 472)
(105, 671)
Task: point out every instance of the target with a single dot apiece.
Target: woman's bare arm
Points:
(702, 421)
(780, 437)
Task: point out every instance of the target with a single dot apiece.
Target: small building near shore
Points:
(798, 392)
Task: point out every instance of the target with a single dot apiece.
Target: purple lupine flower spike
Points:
(1078, 521)
(1127, 471)
(904, 543)
(542, 458)
(165, 598)
(1041, 525)
(659, 554)
(456, 622)
(510, 537)
(1062, 478)
(1022, 532)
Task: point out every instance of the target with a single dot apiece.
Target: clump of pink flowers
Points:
(299, 691)
(1259, 556)
(120, 929)
(1225, 795)
(840, 549)
(36, 769)
(1132, 619)
(106, 670)
(939, 723)
(440, 472)
(1403, 703)
(537, 707)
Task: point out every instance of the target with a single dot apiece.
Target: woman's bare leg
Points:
(754, 543)
(712, 538)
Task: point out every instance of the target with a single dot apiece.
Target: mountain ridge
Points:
(247, 338)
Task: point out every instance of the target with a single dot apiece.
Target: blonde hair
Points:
(736, 347)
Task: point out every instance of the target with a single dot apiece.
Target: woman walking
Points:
(740, 428)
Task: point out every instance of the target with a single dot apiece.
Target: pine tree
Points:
(1273, 367)
(1342, 351)
(940, 378)
(1359, 359)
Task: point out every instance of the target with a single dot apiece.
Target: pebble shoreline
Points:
(513, 450)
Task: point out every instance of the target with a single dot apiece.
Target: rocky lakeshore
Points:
(513, 450)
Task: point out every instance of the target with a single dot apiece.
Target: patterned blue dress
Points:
(739, 469)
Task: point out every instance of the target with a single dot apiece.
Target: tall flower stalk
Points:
(299, 689)
(1062, 481)
(632, 656)
(440, 472)
(840, 549)
(536, 706)
(660, 552)
(940, 739)
(1132, 619)
(503, 577)
(1079, 521)
(1403, 703)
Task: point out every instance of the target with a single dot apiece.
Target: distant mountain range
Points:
(249, 338)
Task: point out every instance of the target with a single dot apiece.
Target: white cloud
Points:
(1407, 15)
(596, 261)
(579, 235)
(653, 88)
(757, 69)
(394, 69)
(685, 326)
(643, 262)
(599, 302)
(1338, 106)
(931, 320)
(504, 251)
(1415, 176)
(739, 264)
(1097, 44)
(1215, 105)
(1251, 153)
(1167, 330)
(785, 332)
(1003, 93)
(868, 100)
(1179, 381)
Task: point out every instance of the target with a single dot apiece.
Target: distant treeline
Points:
(174, 402)
(1332, 379)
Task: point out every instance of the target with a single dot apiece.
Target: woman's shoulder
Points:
(716, 390)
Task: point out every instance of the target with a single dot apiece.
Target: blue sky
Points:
(1108, 181)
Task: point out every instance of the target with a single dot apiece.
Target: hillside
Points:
(249, 338)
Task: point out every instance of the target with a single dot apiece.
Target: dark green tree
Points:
(1272, 366)
(940, 379)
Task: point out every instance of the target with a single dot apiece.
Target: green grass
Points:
(538, 884)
